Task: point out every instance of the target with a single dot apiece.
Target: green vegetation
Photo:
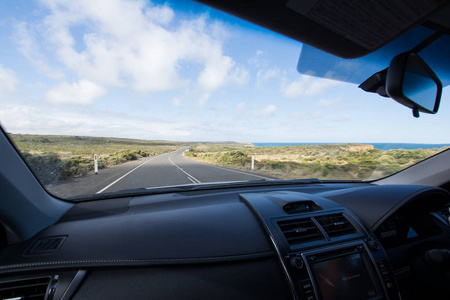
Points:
(331, 161)
(55, 158)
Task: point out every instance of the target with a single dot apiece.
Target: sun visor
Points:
(368, 23)
(345, 28)
(321, 64)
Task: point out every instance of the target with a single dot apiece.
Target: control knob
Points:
(297, 262)
(374, 245)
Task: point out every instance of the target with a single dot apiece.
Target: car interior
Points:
(282, 239)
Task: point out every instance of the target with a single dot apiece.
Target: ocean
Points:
(381, 146)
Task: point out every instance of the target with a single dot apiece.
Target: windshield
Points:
(105, 96)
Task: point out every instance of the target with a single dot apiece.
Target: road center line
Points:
(114, 182)
(192, 180)
(190, 177)
(231, 170)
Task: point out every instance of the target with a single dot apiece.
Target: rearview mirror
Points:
(411, 82)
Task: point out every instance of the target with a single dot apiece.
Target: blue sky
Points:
(153, 70)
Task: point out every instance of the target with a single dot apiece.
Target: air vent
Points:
(45, 245)
(299, 231)
(335, 225)
(35, 288)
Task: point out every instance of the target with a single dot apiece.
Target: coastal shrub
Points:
(330, 166)
(237, 154)
(259, 164)
(367, 164)
(353, 154)
(389, 169)
(234, 158)
(275, 165)
(386, 159)
(405, 156)
(50, 168)
(128, 155)
(76, 166)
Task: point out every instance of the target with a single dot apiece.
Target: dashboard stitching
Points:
(212, 258)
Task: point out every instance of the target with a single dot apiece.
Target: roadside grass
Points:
(329, 161)
(56, 157)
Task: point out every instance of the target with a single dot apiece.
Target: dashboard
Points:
(305, 241)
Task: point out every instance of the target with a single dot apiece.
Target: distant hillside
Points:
(84, 145)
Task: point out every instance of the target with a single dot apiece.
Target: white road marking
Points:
(108, 186)
(190, 177)
(192, 180)
(245, 173)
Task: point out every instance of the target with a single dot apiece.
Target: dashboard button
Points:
(297, 262)
(374, 245)
(306, 286)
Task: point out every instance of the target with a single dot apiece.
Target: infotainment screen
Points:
(346, 277)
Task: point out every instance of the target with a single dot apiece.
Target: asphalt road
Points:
(162, 170)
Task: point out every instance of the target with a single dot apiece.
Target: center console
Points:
(324, 250)
(344, 271)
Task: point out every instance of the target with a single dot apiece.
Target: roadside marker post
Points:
(253, 162)
(95, 164)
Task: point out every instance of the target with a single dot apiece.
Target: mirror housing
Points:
(411, 82)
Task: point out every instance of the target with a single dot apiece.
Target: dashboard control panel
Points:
(351, 270)
(326, 252)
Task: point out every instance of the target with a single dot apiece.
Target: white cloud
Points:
(342, 119)
(37, 120)
(176, 102)
(325, 102)
(258, 59)
(81, 92)
(220, 106)
(329, 102)
(8, 80)
(241, 107)
(306, 86)
(311, 115)
(162, 15)
(28, 46)
(264, 75)
(142, 51)
(316, 115)
(265, 111)
(298, 115)
(219, 71)
(203, 99)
